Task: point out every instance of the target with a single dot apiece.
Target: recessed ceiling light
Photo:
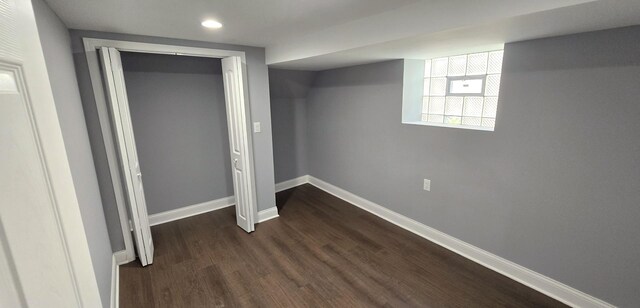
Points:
(210, 23)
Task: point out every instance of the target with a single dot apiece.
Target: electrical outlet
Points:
(256, 127)
(427, 185)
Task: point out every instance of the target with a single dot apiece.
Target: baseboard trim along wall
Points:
(534, 280)
(267, 214)
(204, 207)
(292, 183)
(191, 210)
(121, 257)
(115, 279)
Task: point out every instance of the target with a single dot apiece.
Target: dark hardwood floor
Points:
(321, 251)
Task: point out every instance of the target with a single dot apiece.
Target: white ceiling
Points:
(313, 34)
(247, 22)
(585, 17)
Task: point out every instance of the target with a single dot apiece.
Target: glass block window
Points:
(462, 91)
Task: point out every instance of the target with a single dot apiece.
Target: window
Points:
(462, 91)
(466, 86)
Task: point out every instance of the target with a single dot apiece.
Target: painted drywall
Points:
(554, 188)
(288, 90)
(180, 124)
(258, 81)
(56, 46)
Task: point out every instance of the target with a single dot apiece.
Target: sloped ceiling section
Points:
(316, 35)
(437, 33)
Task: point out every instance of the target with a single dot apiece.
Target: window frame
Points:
(456, 78)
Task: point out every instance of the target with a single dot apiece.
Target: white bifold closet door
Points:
(130, 166)
(239, 141)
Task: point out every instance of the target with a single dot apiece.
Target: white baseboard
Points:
(534, 280)
(267, 214)
(121, 257)
(115, 280)
(201, 208)
(190, 210)
(292, 183)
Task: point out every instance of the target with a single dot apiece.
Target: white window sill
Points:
(486, 129)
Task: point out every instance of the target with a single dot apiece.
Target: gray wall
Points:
(288, 91)
(555, 188)
(180, 124)
(56, 46)
(258, 81)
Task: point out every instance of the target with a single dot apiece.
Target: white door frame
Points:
(91, 46)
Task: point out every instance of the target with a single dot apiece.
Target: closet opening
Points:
(175, 122)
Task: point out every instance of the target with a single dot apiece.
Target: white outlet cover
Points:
(256, 127)
(427, 185)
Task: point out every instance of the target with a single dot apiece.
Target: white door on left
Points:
(121, 118)
(44, 255)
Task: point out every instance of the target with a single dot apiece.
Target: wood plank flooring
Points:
(320, 252)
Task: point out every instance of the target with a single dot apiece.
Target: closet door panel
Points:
(239, 141)
(132, 176)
